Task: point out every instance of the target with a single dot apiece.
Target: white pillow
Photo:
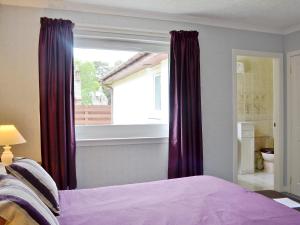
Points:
(35, 177)
(2, 169)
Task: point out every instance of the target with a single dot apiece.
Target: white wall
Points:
(121, 154)
(291, 43)
(105, 132)
(19, 90)
(19, 66)
(133, 97)
(116, 163)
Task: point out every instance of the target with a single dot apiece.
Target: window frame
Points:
(104, 42)
(155, 76)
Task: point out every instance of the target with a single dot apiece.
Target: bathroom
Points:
(254, 77)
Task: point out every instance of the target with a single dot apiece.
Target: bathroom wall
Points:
(255, 97)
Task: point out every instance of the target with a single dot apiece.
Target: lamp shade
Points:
(9, 135)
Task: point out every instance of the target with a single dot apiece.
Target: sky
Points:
(108, 56)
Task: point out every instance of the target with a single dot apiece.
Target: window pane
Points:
(120, 87)
(157, 93)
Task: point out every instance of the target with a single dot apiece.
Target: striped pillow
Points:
(20, 205)
(2, 169)
(35, 177)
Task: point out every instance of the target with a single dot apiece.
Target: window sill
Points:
(121, 141)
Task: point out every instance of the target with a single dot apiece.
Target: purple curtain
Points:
(185, 127)
(57, 101)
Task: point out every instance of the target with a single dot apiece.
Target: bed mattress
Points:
(199, 200)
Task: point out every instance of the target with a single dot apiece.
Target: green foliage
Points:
(102, 68)
(89, 81)
(107, 92)
(90, 74)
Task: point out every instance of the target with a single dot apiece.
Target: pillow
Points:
(35, 177)
(20, 205)
(2, 170)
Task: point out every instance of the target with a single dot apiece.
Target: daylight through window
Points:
(120, 87)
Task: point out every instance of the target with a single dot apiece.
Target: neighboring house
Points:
(140, 89)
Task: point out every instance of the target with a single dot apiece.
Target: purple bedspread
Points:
(187, 201)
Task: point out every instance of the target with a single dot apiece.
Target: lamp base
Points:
(7, 156)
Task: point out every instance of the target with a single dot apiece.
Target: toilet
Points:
(268, 156)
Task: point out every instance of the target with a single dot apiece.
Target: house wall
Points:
(133, 97)
(19, 101)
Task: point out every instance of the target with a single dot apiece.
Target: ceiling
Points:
(279, 16)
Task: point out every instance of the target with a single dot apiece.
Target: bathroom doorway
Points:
(258, 110)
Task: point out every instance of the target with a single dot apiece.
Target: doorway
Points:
(293, 110)
(258, 121)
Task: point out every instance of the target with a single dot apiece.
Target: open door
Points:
(277, 126)
(294, 151)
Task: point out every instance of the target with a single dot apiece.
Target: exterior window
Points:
(117, 87)
(157, 92)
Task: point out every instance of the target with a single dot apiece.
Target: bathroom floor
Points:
(257, 181)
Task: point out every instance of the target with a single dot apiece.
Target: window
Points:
(157, 92)
(120, 87)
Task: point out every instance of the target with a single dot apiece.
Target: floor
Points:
(257, 181)
(275, 194)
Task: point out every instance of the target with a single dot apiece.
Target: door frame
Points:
(278, 100)
(289, 150)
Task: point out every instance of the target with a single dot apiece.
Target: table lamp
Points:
(9, 135)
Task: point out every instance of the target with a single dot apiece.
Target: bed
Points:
(195, 200)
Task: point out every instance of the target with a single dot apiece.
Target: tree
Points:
(102, 68)
(89, 81)
(107, 91)
(118, 63)
(90, 75)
